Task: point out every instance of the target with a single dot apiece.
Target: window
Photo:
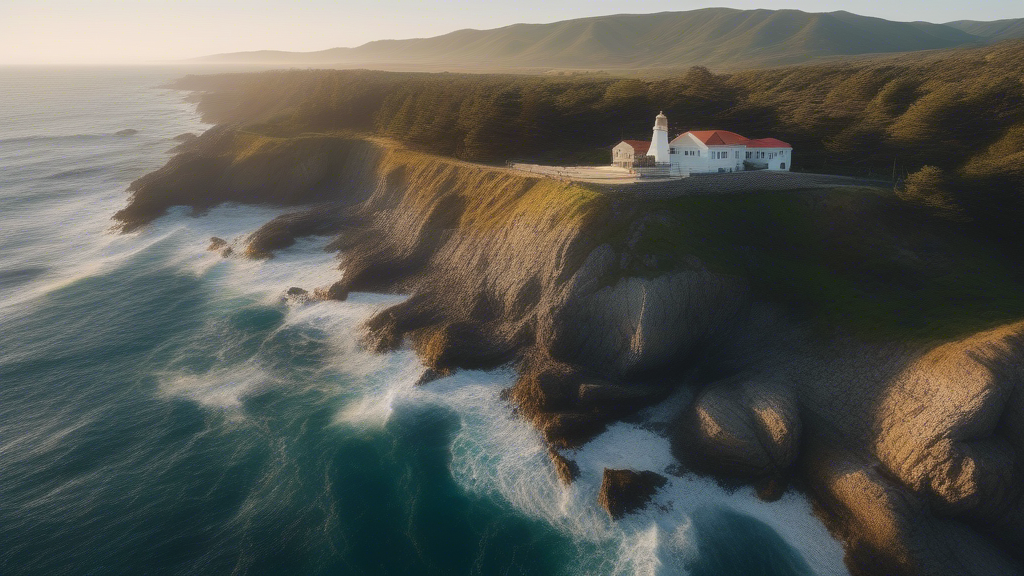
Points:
(737, 154)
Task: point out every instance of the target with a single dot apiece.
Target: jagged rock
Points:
(216, 244)
(566, 470)
(282, 231)
(430, 374)
(460, 344)
(626, 491)
(569, 429)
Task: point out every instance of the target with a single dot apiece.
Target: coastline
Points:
(604, 310)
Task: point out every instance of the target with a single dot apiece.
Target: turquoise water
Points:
(164, 410)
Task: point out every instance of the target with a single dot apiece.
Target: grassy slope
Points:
(853, 258)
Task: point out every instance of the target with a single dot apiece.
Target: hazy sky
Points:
(119, 31)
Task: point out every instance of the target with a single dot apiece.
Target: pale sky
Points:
(120, 31)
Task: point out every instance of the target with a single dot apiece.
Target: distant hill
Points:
(721, 38)
(994, 31)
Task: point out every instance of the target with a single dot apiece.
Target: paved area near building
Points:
(621, 180)
(593, 174)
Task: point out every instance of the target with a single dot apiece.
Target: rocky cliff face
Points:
(913, 452)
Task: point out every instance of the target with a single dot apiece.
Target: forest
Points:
(947, 127)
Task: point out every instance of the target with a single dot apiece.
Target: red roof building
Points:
(703, 151)
(640, 147)
(726, 138)
(629, 153)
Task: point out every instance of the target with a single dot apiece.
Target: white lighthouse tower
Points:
(659, 141)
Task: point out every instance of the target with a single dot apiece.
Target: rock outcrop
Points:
(566, 470)
(626, 491)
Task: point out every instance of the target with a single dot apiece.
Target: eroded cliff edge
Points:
(829, 338)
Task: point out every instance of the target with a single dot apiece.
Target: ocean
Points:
(165, 410)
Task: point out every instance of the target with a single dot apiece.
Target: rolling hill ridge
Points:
(721, 38)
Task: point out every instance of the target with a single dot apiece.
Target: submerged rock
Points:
(126, 132)
(626, 491)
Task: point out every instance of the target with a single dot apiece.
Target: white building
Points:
(704, 151)
(628, 153)
(659, 141)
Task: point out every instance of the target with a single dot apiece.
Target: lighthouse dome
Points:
(661, 122)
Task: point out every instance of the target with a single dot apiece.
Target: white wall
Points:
(702, 158)
(622, 155)
(726, 158)
(690, 154)
(773, 157)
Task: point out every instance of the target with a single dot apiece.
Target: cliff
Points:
(835, 339)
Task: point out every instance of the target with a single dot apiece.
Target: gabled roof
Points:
(726, 138)
(639, 146)
(767, 143)
(716, 137)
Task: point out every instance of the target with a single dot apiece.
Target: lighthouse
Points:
(659, 141)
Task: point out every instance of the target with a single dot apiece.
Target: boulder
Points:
(626, 491)
(748, 429)
(889, 530)
(216, 244)
(960, 448)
